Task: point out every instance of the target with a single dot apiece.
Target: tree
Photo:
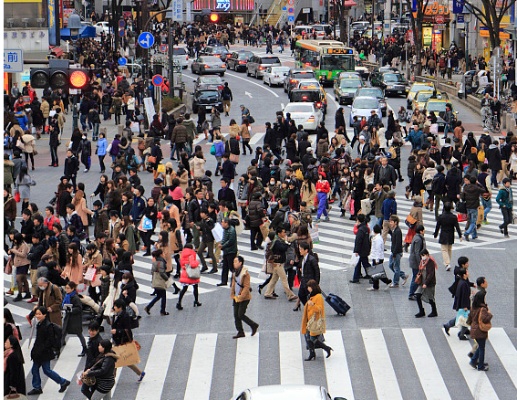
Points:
(341, 14)
(490, 14)
(416, 26)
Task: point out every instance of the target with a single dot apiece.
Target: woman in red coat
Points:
(189, 256)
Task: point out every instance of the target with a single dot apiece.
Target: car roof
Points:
(283, 392)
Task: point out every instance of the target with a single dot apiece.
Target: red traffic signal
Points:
(78, 78)
(214, 18)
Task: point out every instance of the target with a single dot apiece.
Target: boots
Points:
(320, 345)
(434, 313)
(406, 247)
(176, 288)
(431, 205)
(25, 204)
(312, 353)
(421, 312)
(178, 306)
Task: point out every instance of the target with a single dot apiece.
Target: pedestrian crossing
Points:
(364, 363)
(335, 249)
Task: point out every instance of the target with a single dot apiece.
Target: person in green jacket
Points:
(505, 201)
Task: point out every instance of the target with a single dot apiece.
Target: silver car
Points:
(180, 56)
(286, 392)
(208, 65)
(257, 65)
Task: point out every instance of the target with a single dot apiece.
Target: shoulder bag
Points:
(484, 327)
(316, 324)
(192, 273)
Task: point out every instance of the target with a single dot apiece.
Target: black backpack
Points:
(56, 334)
(388, 135)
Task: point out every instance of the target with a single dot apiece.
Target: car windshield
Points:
(303, 75)
(417, 88)
(270, 60)
(245, 56)
(372, 92)
(350, 83)
(371, 104)
(393, 78)
(211, 59)
(436, 106)
(280, 70)
(423, 97)
(179, 52)
(298, 108)
(208, 95)
(210, 79)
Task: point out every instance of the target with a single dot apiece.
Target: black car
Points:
(207, 98)
(238, 60)
(393, 83)
(216, 51)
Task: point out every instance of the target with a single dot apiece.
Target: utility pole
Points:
(170, 40)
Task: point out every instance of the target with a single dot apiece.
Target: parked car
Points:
(258, 64)
(275, 75)
(102, 26)
(286, 392)
(215, 51)
(363, 106)
(208, 65)
(295, 76)
(238, 60)
(207, 98)
(180, 55)
(306, 114)
(374, 92)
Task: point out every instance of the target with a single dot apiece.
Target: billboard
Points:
(224, 5)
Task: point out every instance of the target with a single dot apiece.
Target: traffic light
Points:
(214, 18)
(59, 76)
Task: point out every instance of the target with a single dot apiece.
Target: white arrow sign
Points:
(248, 94)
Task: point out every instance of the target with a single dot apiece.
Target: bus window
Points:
(337, 62)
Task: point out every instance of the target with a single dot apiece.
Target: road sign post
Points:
(13, 60)
(146, 40)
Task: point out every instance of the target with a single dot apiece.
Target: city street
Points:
(380, 350)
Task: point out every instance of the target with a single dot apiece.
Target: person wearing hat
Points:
(363, 149)
(505, 200)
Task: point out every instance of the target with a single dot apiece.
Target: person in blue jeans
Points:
(361, 248)
(470, 195)
(396, 252)
(42, 353)
(479, 314)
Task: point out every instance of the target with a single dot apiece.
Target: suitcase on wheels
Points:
(337, 303)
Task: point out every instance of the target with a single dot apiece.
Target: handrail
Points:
(275, 9)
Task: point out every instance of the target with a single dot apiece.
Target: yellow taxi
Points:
(415, 88)
(423, 96)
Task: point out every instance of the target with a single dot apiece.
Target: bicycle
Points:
(491, 123)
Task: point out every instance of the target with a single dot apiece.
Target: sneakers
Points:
(393, 286)
(404, 280)
(141, 376)
(447, 267)
(86, 170)
(64, 386)
(371, 289)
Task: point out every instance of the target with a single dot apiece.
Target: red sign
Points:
(439, 19)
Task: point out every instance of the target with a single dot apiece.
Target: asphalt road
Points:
(380, 350)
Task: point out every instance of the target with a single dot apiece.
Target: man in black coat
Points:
(194, 210)
(439, 189)
(361, 248)
(461, 298)
(494, 162)
(309, 268)
(445, 224)
(227, 194)
(71, 167)
(92, 352)
(278, 221)
(205, 227)
(42, 353)
(385, 174)
(396, 252)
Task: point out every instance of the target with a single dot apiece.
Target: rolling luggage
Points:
(337, 303)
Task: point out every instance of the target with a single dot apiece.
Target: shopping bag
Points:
(169, 282)
(296, 282)
(461, 318)
(366, 206)
(234, 158)
(147, 223)
(354, 259)
(217, 232)
(128, 354)
(314, 233)
(161, 169)
(17, 196)
(462, 217)
(264, 228)
(481, 215)
(90, 274)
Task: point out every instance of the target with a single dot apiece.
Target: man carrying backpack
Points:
(44, 351)
(227, 96)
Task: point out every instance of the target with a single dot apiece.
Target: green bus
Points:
(327, 58)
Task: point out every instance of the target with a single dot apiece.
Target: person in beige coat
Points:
(79, 203)
(245, 132)
(240, 294)
(197, 165)
(28, 141)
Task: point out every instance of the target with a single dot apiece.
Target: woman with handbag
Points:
(190, 274)
(377, 255)
(480, 319)
(14, 373)
(414, 219)
(426, 281)
(73, 270)
(148, 224)
(121, 331)
(159, 282)
(313, 320)
(23, 185)
(245, 132)
(101, 376)
(21, 264)
(73, 321)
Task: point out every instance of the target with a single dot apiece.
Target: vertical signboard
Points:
(177, 10)
(54, 37)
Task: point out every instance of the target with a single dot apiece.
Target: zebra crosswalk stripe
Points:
(246, 364)
(151, 387)
(505, 351)
(201, 367)
(425, 365)
(336, 367)
(383, 373)
(478, 384)
(291, 358)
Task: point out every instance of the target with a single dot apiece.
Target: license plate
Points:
(399, 91)
(208, 107)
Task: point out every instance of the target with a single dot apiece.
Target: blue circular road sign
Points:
(146, 40)
(157, 80)
(122, 61)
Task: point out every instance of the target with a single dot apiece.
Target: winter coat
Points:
(485, 315)
(83, 211)
(256, 213)
(104, 372)
(318, 308)
(362, 241)
(417, 245)
(447, 222)
(29, 140)
(198, 167)
(122, 325)
(75, 316)
(240, 288)
(160, 278)
(179, 134)
(493, 155)
(10, 208)
(14, 374)
(8, 172)
(471, 193)
(42, 349)
(188, 256)
(462, 295)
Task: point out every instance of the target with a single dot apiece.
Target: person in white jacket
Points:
(377, 255)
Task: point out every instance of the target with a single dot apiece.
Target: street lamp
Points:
(467, 18)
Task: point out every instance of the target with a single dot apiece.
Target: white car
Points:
(306, 114)
(275, 75)
(286, 392)
(102, 26)
(362, 106)
(180, 55)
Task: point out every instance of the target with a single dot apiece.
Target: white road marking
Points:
(246, 364)
(506, 352)
(291, 362)
(201, 367)
(336, 367)
(253, 83)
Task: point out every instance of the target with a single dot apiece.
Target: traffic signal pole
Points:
(171, 57)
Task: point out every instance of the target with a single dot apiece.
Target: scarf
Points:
(7, 353)
(238, 278)
(68, 298)
(424, 263)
